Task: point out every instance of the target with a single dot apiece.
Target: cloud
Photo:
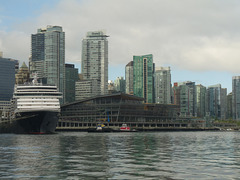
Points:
(195, 35)
(15, 45)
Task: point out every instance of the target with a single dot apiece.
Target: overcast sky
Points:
(198, 39)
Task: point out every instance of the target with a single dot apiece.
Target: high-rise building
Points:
(185, 96)
(201, 92)
(229, 106)
(223, 103)
(162, 82)
(71, 76)
(236, 97)
(217, 101)
(95, 60)
(129, 77)
(48, 56)
(119, 84)
(143, 83)
(1, 54)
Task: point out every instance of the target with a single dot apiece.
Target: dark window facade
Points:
(7, 79)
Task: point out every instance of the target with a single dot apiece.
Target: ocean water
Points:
(138, 155)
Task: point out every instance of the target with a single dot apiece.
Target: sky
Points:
(199, 40)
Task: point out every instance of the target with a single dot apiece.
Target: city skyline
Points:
(198, 40)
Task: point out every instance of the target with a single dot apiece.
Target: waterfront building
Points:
(236, 97)
(71, 76)
(129, 77)
(216, 101)
(23, 75)
(229, 114)
(120, 84)
(85, 89)
(48, 56)
(143, 83)
(201, 93)
(114, 110)
(162, 82)
(95, 60)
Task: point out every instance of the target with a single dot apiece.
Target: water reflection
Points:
(160, 155)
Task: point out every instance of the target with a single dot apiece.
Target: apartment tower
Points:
(95, 60)
(162, 78)
(48, 56)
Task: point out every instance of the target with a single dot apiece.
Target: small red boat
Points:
(124, 127)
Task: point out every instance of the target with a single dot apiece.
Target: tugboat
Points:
(36, 108)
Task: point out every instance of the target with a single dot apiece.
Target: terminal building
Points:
(115, 109)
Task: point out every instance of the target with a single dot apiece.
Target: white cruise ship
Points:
(36, 108)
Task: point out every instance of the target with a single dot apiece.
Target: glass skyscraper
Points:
(95, 60)
(143, 69)
(48, 56)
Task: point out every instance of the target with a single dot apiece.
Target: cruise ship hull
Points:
(40, 122)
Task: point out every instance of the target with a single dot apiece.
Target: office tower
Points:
(7, 78)
(119, 84)
(216, 101)
(95, 60)
(162, 82)
(71, 76)
(48, 56)
(23, 74)
(201, 100)
(129, 77)
(143, 69)
(236, 97)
